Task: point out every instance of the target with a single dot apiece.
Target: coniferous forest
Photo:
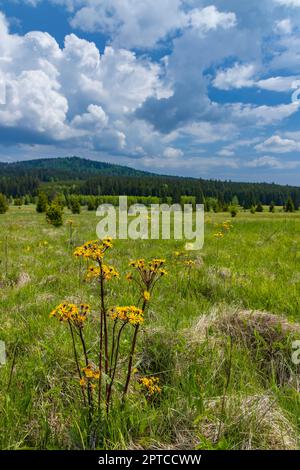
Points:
(79, 176)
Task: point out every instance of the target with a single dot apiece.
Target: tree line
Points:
(75, 176)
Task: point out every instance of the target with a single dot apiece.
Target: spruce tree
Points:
(289, 207)
(3, 204)
(42, 203)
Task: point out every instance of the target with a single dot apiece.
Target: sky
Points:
(196, 88)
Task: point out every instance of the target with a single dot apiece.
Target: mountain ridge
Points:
(73, 164)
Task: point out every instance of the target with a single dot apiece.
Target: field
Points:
(218, 334)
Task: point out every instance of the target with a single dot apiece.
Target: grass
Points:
(220, 389)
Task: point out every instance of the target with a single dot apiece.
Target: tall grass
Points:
(216, 393)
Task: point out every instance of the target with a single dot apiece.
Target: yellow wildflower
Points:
(129, 277)
(149, 271)
(150, 384)
(219, 235)
(131, 314)
(146, 295)
(94, 249)
(72, 313)
(108, 272)
(189, 263)
(82, 382)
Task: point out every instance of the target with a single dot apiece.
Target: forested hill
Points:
(80, 176)
(64, 169)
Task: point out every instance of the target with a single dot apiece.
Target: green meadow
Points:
(218, 334)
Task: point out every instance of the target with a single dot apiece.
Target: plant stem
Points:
(90, 395)
(104, 318)
(76, 360)
(112, 348)
(109, 391)
(129, 370)
(12, 368)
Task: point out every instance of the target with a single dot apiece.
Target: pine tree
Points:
(3, 204)
(42, 203)
(289, 207)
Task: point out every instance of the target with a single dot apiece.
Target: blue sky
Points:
(189, 87)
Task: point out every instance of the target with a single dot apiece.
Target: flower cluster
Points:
(227, 225)
(149, 272)
(224, 227)
(72, 313)
(90, 374)
(219, 235)
(150, 385)
(112, 324)
(108, 272)
(189, 263)
(131, 314)
(93, 249)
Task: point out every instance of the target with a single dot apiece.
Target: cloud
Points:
(289, 3)
(279, 84)
(142, 24)
(210, 18)
(273, 162)
(225, 152)
(239, 76)
(277, 144)
(151, 96)
(198, 165)
(284, 26)
(171, 152)
(130, 23)
(72, 93)
(263, 115)
(244, 76)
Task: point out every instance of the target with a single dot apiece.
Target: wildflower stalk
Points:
(76, 359)
(113, 373)
(12, 368)
(103, 333)
(112, 347)
(89, 387)
(131, 354)
(100, 360)
(103, 313)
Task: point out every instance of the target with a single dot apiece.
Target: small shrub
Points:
(91, 205)
(18, 202)
(54, 215)
(75, 205)
(259, 207)
(272, 208)
(233, 211)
